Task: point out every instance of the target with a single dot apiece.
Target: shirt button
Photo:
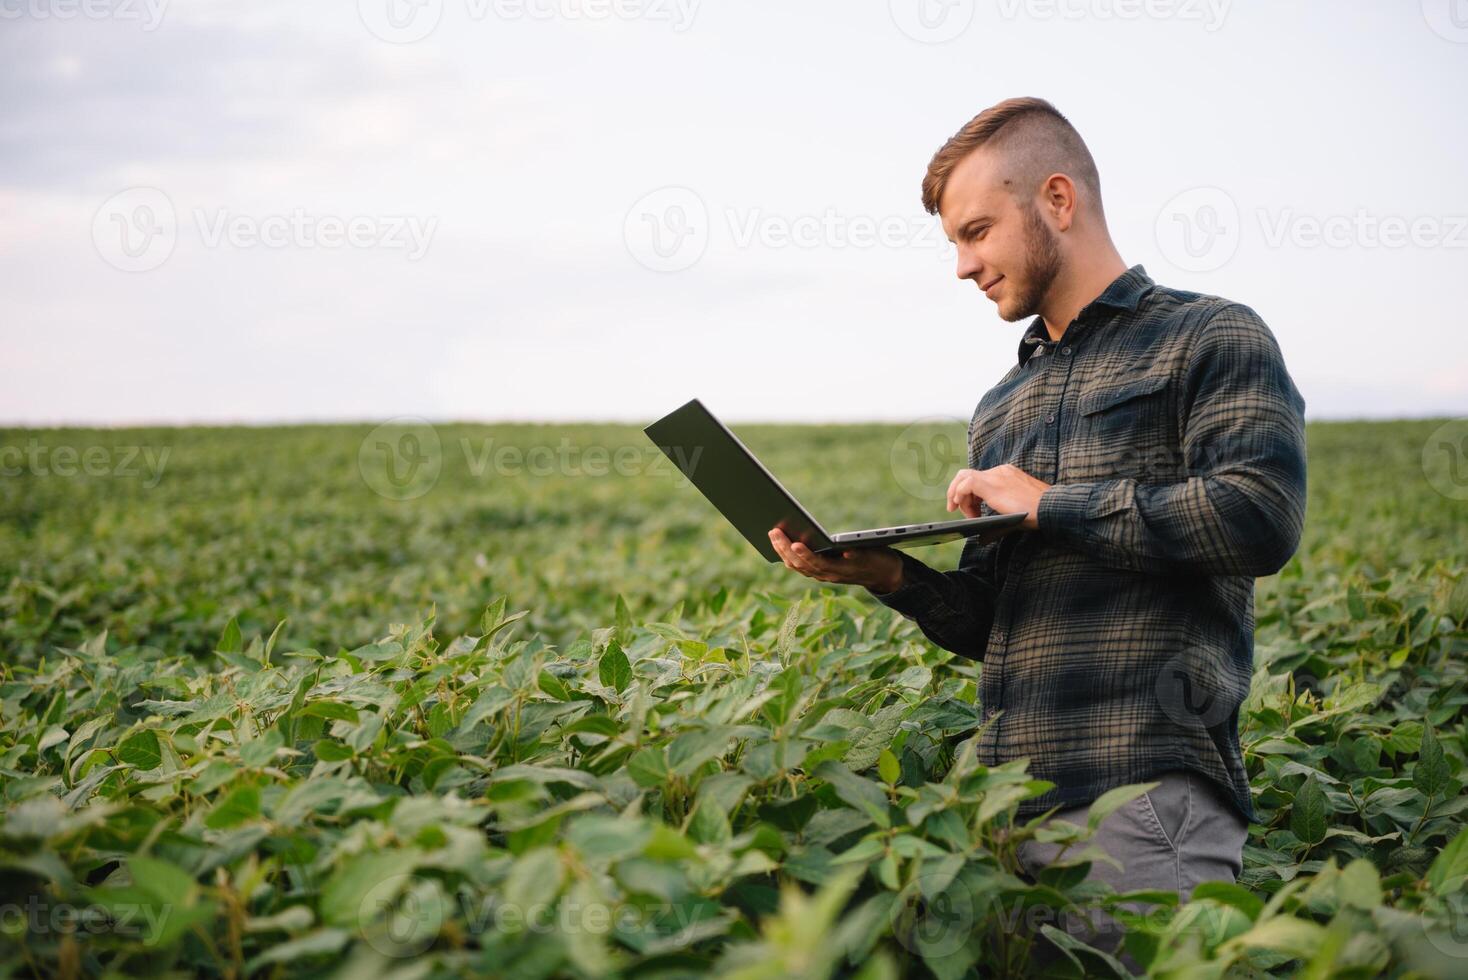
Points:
(1049, 420)
(1065, 350)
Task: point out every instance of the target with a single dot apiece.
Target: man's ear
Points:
(1059, 196)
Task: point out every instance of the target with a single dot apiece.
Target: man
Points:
(1156, 444)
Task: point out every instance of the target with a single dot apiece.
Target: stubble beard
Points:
(1042, 267)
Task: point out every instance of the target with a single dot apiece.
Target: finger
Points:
(968, 497)
(792, 559)
(959, 488)
(782, 549)
(808, 559)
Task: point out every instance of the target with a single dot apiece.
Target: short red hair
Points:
(1034, 137)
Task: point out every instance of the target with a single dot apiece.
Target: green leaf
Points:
(230, 641)
(1450, 868)
(1360, 885)
(332, 710)
(1228, 893)
(365, 884)
(553, 685)
(330, 750)
(602, 838)
(259, 751)
(889, 768)
(55, 735)
(242, 803)
(1114, 799)
(141, 750)
(786, 686)
(1430, 775)
(533, 882)
(785, 639)
(167, 883)
(649, 767)
(613, 669)
(692, 749)
(1283, 934)
(1309, 811)
(322, 942)
(274, 638)
(623, 617)
(860, 794)
(1354, 603)
(487, 705)
(494, 620)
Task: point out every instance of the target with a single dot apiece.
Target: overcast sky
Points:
(241, 210)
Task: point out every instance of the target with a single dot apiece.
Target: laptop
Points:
(748, 495)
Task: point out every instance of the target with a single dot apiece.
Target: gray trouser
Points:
(1180, 833)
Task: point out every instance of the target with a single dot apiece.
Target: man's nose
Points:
(968, 266)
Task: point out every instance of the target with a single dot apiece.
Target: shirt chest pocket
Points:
(1127, 428)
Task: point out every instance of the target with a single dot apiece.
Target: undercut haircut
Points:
(1032, 140)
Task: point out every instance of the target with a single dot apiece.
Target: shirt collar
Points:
(1125, 292)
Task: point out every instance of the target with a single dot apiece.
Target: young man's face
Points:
(1004, 245)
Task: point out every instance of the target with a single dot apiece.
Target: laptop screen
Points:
(727, 473)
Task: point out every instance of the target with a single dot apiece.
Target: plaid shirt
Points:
(1117, 640)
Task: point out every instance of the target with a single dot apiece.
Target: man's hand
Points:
(879, 569)
(1006, 489)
